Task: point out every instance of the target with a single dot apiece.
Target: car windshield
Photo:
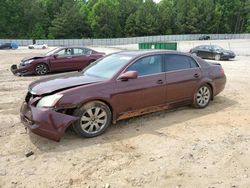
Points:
(108, 66)
(51, 52)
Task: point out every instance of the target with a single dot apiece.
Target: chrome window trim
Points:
(181, 70)
(164, 72)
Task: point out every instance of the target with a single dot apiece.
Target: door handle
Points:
(69, 57)
(196, 75)
(159, 82)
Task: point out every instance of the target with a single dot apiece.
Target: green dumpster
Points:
(158, 45)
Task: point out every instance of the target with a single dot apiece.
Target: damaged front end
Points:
(21, 70)
(47, 122)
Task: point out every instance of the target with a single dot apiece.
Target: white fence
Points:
(123, 41)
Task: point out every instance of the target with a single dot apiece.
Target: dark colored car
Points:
(119, 86)
(204, 37)
(10, 45)
(59, 59)
(212, 52)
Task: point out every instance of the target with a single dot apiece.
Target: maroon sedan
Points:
(119, 86)
(59, 59)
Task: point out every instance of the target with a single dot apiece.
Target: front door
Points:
(147, 91)
(63, 60)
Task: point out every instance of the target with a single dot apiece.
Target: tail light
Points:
(222, 70)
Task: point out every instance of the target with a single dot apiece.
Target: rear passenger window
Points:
(78, 51)
(193, 63)
(147, 65)
(81, 51)
(179, 62)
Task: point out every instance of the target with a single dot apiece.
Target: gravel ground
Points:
(184, 147)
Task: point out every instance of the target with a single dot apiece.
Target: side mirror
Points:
(128, 75)
(55, 56)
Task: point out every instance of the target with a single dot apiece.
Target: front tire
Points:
(202, 96)
(95, 117)
(41, 69)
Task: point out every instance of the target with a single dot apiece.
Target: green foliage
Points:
(127, 8)
(39, 19)
(105, 20)
(166, 17)
(70, 22)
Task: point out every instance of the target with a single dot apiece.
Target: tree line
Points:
(56, 19)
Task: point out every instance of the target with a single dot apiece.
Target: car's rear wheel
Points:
(202, 96)
(217, 57)
(41, 69)
(95, 117)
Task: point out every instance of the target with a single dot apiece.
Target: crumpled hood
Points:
(56, 83)
(34, 57)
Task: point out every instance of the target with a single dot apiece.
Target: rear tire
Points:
(202, 96)
(41, 69)
(95, 117)
(217, 57)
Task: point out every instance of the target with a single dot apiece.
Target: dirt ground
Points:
(184, 147)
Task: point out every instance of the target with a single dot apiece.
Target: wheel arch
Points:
(209, 83)
(40, 63)
(43, 62)
(212, 89)
(106, 102)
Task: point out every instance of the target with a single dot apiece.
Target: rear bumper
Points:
(45, 122)
(21, 70)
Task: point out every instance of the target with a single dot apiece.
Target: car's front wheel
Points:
(94, 119)
(202, 96)
(41, 69)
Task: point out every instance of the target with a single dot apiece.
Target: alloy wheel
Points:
(217, 57)
(203, 96)
(93, 120)
(41, 69)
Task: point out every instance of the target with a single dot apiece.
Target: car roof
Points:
(73, 47)
(138, 53)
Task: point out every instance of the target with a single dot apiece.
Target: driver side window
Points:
(147, 65)
(65, 52)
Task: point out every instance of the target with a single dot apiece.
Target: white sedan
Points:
(38, 46)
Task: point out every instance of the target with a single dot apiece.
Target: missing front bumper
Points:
(45, 122)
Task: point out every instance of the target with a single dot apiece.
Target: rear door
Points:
(182, 75)
(81, 57)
